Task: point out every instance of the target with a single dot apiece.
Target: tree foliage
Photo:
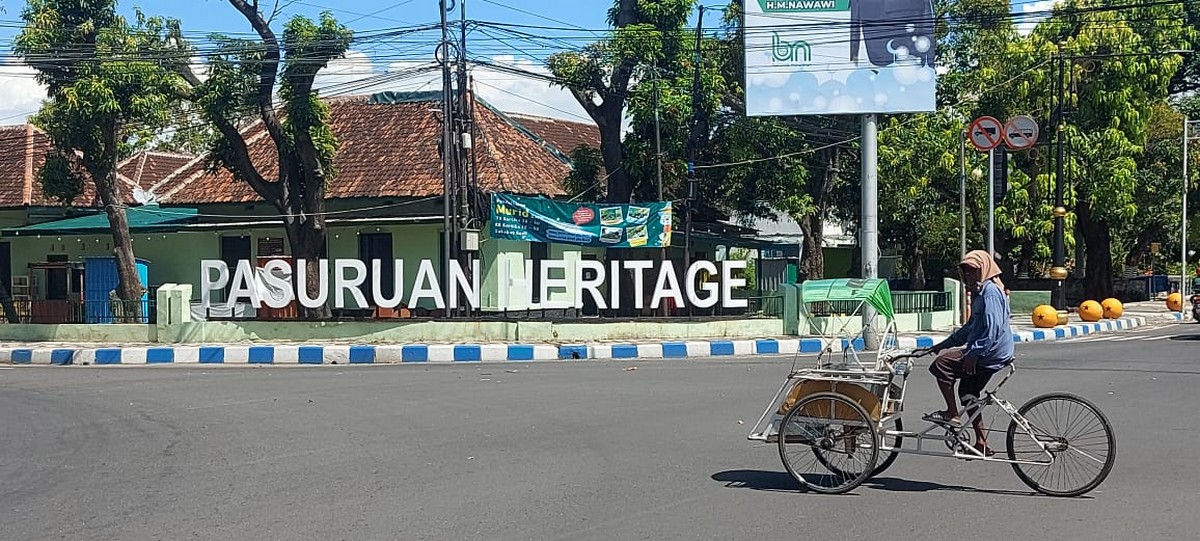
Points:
(243, 78)
(112, 83)
(601, 75)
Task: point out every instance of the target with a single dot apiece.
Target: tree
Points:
(1118, 71)
(601, 74)
(918, 170)
(110, 83)
(242, 80)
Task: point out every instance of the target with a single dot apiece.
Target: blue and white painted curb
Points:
(466, 353)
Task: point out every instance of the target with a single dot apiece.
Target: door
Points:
(377, 246)
(6, 266)
(234, 249)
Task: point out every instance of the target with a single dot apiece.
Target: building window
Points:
(270, 246)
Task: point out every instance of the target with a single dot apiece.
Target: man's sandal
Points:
(940, 418)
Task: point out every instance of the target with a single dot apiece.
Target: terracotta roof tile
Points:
(145, 169)
(23, 150)
(563, 135)
(386, 150)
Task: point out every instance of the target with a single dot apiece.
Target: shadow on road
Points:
(777, 481)
(772, 481)
(893, 484)
(1186, 337)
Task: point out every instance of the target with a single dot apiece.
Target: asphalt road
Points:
(586, 451)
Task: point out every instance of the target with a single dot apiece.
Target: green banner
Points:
(536, 219)
(794, 6)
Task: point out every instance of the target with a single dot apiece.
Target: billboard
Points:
(825, 57)
(535, 219)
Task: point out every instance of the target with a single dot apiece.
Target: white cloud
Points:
(1028, 22)
(522, 94)
(20, 95)
(340, 72)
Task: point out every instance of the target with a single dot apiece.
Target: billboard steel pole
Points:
(870, 220)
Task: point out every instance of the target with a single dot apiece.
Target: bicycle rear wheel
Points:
(828, 443)
(1069, 439)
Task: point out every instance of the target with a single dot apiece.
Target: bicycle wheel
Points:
(1080, 447)
(828, 443)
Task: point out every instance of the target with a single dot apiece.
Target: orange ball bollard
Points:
(1174, 302)
(1045, 317)
(1113, 308)
(1090, 311)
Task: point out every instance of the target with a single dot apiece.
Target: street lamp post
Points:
(1188, 124)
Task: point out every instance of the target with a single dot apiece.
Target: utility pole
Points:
(1059, 271)
(658, 158)
(693, 140)
(463, 143)
(449, 160)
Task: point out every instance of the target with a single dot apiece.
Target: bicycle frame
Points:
(976, 406)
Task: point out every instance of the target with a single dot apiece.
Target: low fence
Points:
(57, 312)
(903, 302)
(761, 307)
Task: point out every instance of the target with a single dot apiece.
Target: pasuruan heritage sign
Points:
(704, 284)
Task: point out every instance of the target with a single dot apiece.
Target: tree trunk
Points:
(1025, 264)
(620, 187)
(306, 237)
(916, 266)
(1141, 246)
(812, 258)
(812, 225)
(129, 288)
(1098, 279)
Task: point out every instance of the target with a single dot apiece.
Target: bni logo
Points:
(785, 51)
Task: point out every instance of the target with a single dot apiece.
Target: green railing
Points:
(903, 302)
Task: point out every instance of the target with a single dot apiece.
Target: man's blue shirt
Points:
(988, 334)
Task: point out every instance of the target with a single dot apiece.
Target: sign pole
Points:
(870, 221)
(962, 195)
(991, 227)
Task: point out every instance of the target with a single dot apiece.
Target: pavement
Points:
(554, 451)
(316, 353)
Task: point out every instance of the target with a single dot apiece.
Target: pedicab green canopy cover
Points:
(873, 291)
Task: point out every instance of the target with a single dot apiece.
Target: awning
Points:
(141, 219)
(873, 291)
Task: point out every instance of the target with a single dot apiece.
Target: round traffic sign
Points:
(986, 133)
(1020, 132)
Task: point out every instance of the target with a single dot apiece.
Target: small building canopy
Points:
(141, 219)
(873, 291)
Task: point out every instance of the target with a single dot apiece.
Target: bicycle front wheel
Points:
(1068, 448)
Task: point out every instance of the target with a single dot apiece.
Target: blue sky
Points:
(573, 22)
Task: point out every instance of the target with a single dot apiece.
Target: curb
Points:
(467, 353)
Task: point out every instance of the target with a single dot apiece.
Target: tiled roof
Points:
(23, 150)
(563, 135)
(145, 169)
(388, 147)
